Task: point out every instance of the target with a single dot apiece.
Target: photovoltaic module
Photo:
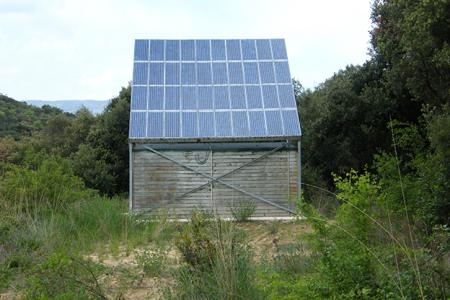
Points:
(212, 90)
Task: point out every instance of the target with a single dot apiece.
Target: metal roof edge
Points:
(212, 139)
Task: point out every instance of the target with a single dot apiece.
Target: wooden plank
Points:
(157, 182)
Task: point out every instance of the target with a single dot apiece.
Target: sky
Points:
(83, 49)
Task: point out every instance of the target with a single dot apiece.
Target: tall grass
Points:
(365, 252)
(218, 262)
(49, 221)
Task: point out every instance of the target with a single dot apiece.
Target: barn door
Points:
(225, 177)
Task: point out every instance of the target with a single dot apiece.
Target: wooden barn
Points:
(213, 124)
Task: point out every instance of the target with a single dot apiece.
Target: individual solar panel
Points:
(172, 50)
(206, 124)
(141, 50)
(267, 72)
(189, 124)
(137, 128)
(270, 97)
(254, 99)
(257, 123)
(286, 93)
(263, 49)
(237, 97)
(248, 49)
(235, 73)
(274, 124)
(156, 73)
(155, 124)
(279, 49)
(203, 52)
(233, 50)
(220, 73)
(172, 124)
(251, 72)
(188, 50)
(221, 100)
(205, 97)
(291, 123)
(172, 98)
(282, 72)
(204, 74)
(172, 73)
(240, 123)
(218, 50)
(188, 97)
(140, 73)
(223, 124)
(188, 73)
(139, 98)
(156, 50)
(187, 89)
(155, 97)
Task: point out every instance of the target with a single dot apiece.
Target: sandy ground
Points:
(125, 278)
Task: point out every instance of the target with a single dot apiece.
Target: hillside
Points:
(72, 106)
(19, 119)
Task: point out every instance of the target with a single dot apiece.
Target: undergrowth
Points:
(372, 247)
(218, 261)
(48, 223)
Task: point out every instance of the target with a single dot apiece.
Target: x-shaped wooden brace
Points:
(219, 178)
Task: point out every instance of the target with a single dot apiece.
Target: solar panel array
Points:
(212, 89)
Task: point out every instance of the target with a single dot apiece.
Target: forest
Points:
(375, 202)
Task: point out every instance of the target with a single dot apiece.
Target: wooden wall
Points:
(158, 183)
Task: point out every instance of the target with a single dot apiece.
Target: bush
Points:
(65, 277)
(51, 186)
(195, 240)
(218, 260)
(367, 252)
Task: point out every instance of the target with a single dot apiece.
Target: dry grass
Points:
(124, 278)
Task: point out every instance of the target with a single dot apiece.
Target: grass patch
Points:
(218, 262)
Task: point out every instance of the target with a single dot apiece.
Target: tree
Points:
(411, 40)
(78, 131)
(103, 163)
(344, 121)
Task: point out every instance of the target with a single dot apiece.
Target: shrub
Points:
(218, 260)
(65, 277)
(51, 186)
(195, 240)
(367, 252)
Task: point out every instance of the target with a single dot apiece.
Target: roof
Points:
(212, 90)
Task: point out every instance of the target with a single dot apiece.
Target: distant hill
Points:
(19, 119)
(71, 106)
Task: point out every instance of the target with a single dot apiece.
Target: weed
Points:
(243, 209)
(293, 259)
(153, 261)
(273, 227)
